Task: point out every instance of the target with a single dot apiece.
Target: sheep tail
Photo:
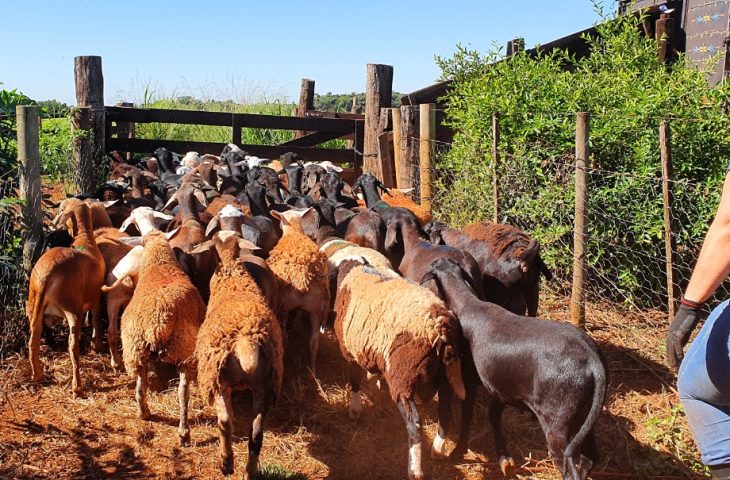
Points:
(248, 354)
(599, 394)
(117, 282)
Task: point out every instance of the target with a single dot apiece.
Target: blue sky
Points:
(246, 50)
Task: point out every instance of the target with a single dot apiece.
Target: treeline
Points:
(342, 102)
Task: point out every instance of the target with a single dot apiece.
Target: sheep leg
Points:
(183, 397)
(262, 403)
(506, 463)
(34, 347)
(315, 320)
(74, 334)
(96, 328)
(413, 426)
(140, 392)
(356, 375)
(467, 411)
(224, 409)
(557, 439)
(113, 334)
(444, 412)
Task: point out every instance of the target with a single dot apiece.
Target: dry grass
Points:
(46, 434)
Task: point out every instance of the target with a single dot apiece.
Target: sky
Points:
(249, 51)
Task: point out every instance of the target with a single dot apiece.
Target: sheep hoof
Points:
(37, 378)
(144, 413)
(416, 476)
(437, 448)
(226, 466)
(506, 464)
(354, 414)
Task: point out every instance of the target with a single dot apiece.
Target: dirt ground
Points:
(642, 432)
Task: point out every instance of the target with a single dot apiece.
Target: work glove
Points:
(680, 330)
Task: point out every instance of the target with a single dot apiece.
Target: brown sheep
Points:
(66, 282)
(161, 323)
(301, 270)
(239, 347)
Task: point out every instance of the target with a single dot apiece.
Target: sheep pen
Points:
(641, 432)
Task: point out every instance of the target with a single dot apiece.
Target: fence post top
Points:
(21, 108)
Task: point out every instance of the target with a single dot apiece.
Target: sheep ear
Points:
(427, 277)
(162, 216)
(110, 203)
(391, 236)
(405, 191)
(171, 202)
(212, 225)
(244, 244)
(126, 224)
(279, 217)
(201, 197)
(203, 247)
(169, 235)
(133, 241)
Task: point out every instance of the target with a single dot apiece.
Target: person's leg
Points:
(704, 394)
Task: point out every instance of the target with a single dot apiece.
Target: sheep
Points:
(161, 323)
(367, 229)
(66, 282)
(510, 261)
(370, 186)
(239, 347)
(145, 219)
(301, 270)
(392, 327)
(552, 368)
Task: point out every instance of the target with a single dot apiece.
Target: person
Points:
(703, 380)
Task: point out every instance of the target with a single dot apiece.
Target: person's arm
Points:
(713, 266)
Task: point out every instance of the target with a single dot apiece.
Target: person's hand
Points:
(680, 330)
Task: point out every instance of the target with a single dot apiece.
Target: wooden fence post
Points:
(409, 153)
(29, 160)
(495, 165)
(427, 135)
(90, 93)
(125, 129)
(668, 199)
(577, 298)
(664, 30)
(397, 148)
(83, 150)
(306, 102)
(378, 94)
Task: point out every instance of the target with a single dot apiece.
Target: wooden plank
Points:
(144, 145)
(29, 159)
(409, 149)
(577, 297)
(347, 115)
(427, 134)
(670, 242)
(248, 120)
(385, 152)
(378, 94)
(306, 102)
(311, 139)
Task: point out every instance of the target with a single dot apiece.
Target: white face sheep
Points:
(402, 331)
(239, 347)
(66, 282)
(301, 270)
(161, 322)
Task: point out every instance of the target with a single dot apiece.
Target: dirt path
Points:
(46, 434)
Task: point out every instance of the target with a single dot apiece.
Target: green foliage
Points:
(342, 102)
(53, 109)
(56, 148)
(9, 99)
(628, 91)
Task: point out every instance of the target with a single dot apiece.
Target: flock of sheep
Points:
(209, 257)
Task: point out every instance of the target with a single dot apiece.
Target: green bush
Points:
(628, 91)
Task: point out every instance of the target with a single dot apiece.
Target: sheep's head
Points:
(290, 219)
(369, 186)
(228, 246)
(229, 218)
(145, 219)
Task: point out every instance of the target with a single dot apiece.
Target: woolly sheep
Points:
(161, 323)
(239, 347)
(301, 270)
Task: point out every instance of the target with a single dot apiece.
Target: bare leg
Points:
(74, 334)
(444, 412)
(34, 347)
(224, 409)
(355, 373)
(467, 411)
(96, 324)
(140, 393)
(113, 334)
(506, 463)
(183, 397)
(262, 403)
(413, 426)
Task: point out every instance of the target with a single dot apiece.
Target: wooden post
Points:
(577, 299)
(306, 102)
(29, 160)
(83, 150)
(125, 129)
(664, 30)
(515, 46)
(355, 107)
(358, 147)
(427, 135)
(409, 153)
(90, 93)
(495, 165)
(397, 149)
(378, 94)
(668, 199)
